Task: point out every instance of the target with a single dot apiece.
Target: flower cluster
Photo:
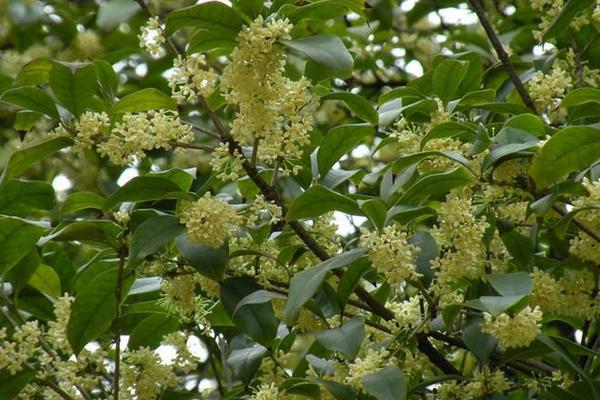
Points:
(144, 377)
(209, 220)
(152, 37)
(390, 253)
(274, 112)
(516, 331)
(407, 314)
(191, 79)
(370, 363)
(582, 245)
(547, 89)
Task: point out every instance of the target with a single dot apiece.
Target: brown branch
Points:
(502, 55)
(578, 224)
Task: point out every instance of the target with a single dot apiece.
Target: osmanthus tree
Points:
(175, 175)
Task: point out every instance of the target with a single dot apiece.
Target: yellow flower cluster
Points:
(209, 220)
(57, 329)
(144, 377)
(272, 110)
(407, 314)
(368, 364)
(583, 246)
(517, 331)
(551, 8)
(191, 79)
(85, 46)
(229, 166)
(140, 132)
(266, 391)
(460, 237)
(571, 295)
(262, 208)
(151, 37)
(483, 383)
(12, 61)
(546, 90)
(23, 346)
(390, 253)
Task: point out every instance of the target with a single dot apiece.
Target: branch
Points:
(502, 55)
(118, 298)
(578, 224)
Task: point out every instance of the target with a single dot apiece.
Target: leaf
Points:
(305, 284)
(345, 339)
(78, 201)
(434, 184)
(570, 149)
(73, 86)
(21, 160)
(447, 77)
(208, 261)
(447, 130)
(85, 230)
(46, 280)
(495, 305)
(150, 331)
(479, 343)
(208, 15)
(31, 98)
(12, 384)
(17, 238)
(212, 39)
(386, 384)
(581, 96)
(245, 362)
(388, 112)
(358, 104)
(107, 79)
(339, 141)
(256, 320)
(93, 310)
(321, 10)
(113, 12)
(22, 198)
(36, 72)
(258, 297)
(144, 100)
(404, 162)
(561, 22)
(143, 188)
(512, 284)
(251, 8)
(151, 236)
(318, 200)
(326, 51)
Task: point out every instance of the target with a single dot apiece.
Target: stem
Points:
(502, 55)
(578, 224)
(118, 298)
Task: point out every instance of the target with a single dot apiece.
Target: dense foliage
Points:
(288, 199)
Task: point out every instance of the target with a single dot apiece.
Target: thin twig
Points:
(118, 298)
(502, 55)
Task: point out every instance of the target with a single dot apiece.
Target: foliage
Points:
(287, 199)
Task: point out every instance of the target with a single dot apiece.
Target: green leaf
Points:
(21, 160)
(208, 261)
(12, 384)
(17, 238)
(386, 384)
(495, 305)
(26, 120)
(206, 40)
(46, 280)
(508, 141)
(447, 77)
(325, 51)
(37, 72)
(73, 86)
(318, 200)
(31, 98)
(388, 112)
(404, 162)
(305, 284)
(258, 297)
(358, 104)
(78, 201)
(144, 188)
(245, 362)
(256, 320)
(251, 8)
(113, 12)
(152, 235)
(570, 149)
(512, 284)
(345, 339)
(144, 100)
(93, 310)
(88, 231)
(480, 344)
(208, 15)
(180, 177)
(447, 130)
(567, 12)
(339, 141)
(107, 79)
(581, 96)
(322, 10)
(150, 331)
(339, 390)
(22, 198)
(435, 184)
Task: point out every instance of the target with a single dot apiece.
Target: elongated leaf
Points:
(581, 96)
(305, 284)
(447, 130)
(17, 238)
(31, 98)
(23, 198)
(346, 339)
(386, 384)
(21, 160)
(512, 284)
(480, 344)
(447, 77)
(326, 51)
(564, 17)
(208, 261)
(318, 200)
(404, 162)
(82, 200)
(144, 100)
(339, 141)
(358, 104)
(207, 15)
(435, 184)
(12, 384)
(570, 149)
(245, 362)
(73, 87)
(150, 331)
(46, 280)
(143, 188)
(322, 9)
(152, 235)
(258, 297)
